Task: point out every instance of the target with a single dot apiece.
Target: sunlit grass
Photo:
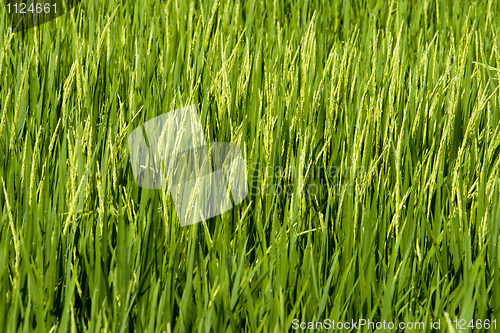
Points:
(400, 99)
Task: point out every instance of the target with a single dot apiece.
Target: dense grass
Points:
(400, 98)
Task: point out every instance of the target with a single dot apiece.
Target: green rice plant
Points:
(371, 134)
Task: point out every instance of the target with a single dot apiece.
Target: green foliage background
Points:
(400, 97)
